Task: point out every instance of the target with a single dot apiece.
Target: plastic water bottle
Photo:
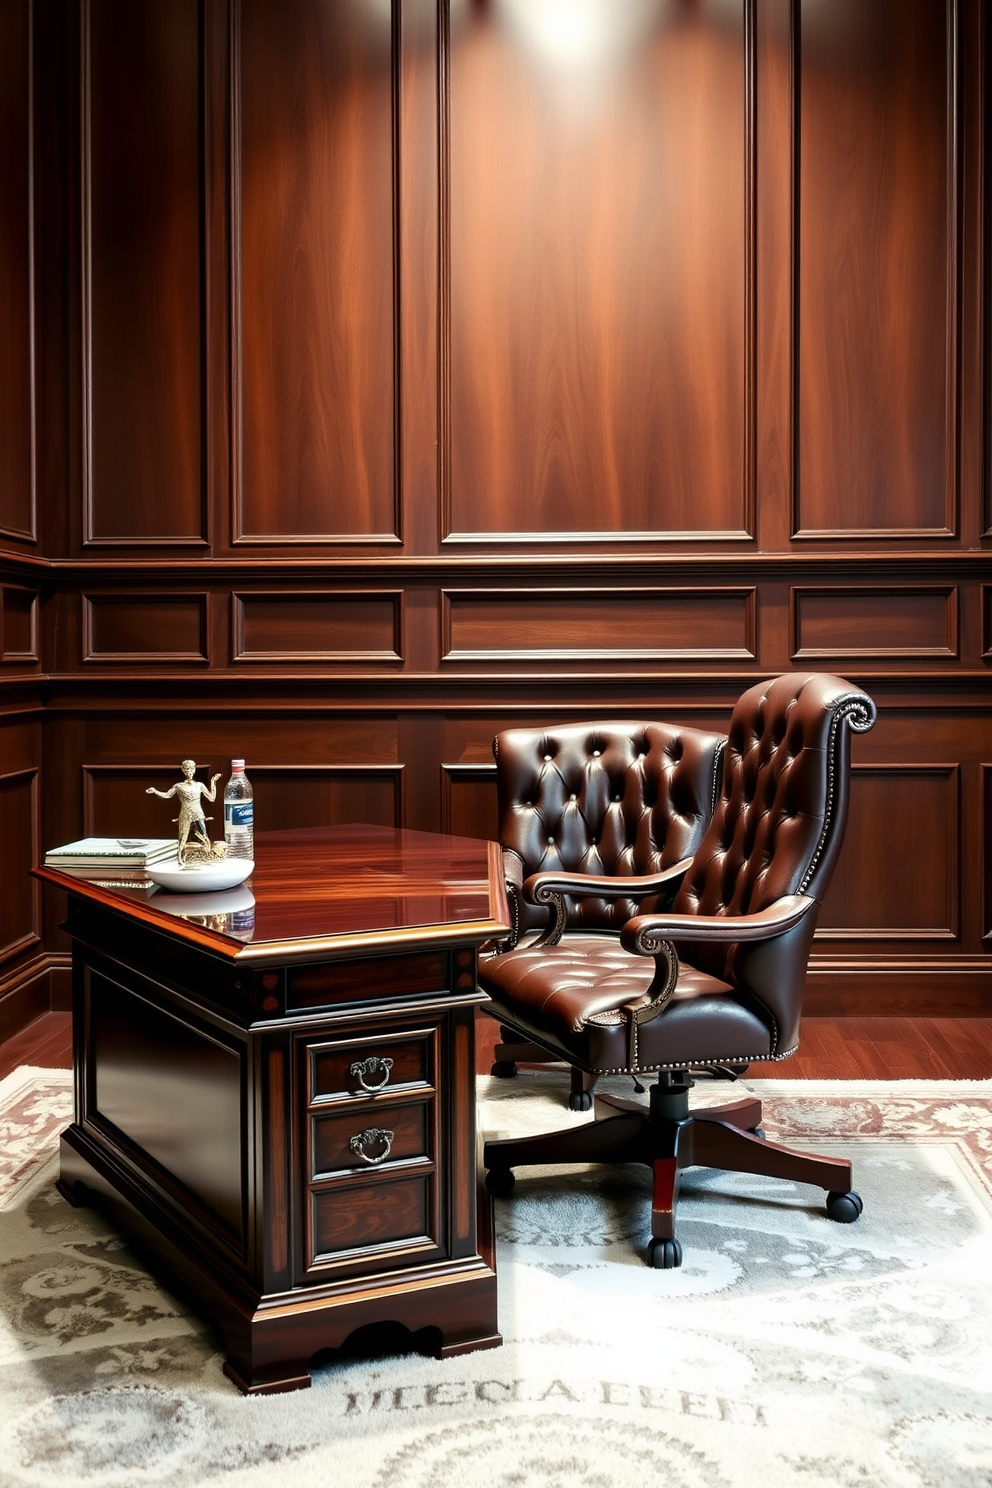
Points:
(239, 813)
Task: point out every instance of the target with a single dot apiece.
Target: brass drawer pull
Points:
(367, 1071)
(373, 1136)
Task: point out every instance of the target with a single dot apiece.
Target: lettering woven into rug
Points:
(786, 1350)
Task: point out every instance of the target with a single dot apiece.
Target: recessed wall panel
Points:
(599, 331)
(17, 496)
(143, 296)
(18, 625)
(144, 628)
(600, 623)
(315, 269)
(325, 796)
(877, 228)
(866, 622)
(897, 876)
(19, 834)
(468, 801)
(302, 626)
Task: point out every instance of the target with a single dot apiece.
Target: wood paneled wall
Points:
(374, 376)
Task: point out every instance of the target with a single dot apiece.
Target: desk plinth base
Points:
(269, 1340)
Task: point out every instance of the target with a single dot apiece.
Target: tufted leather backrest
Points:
(611, 798)
(781, 808)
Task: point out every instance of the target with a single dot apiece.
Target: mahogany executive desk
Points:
(283, 1113)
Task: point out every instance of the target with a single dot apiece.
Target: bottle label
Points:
(239, 813)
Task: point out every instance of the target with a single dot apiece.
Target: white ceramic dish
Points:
(220, 902)
(200, 878)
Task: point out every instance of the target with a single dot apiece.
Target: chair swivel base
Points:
(667, 1139)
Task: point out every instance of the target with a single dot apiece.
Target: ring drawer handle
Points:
(373, 1136)
(372, 1073)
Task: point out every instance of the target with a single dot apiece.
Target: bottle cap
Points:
(237, 764)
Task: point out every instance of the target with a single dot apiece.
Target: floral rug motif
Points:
(786, 1350)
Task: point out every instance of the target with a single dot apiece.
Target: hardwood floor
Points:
(831, 1049)
(861, 1049)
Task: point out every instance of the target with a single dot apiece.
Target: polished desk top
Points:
(329, 891)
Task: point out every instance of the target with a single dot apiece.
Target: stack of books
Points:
(112, 861)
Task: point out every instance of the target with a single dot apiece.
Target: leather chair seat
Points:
(569, 999)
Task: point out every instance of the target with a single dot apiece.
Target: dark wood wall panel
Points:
(314, 796)
(899, 875)
(316, 268)
(878, 245)
(143, 305)
(313, 626)
(468, 801)
(853, 623)
(19, 633)
(599, 206)
(144, 627)
(17, 428)
(20, 920)
(587, 624)
(116, 803)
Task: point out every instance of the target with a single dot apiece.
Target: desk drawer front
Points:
(374, 980)
(351, 1220)
(367, 1066)
(357, 1140)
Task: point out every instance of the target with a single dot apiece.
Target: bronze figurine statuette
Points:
(193, 843)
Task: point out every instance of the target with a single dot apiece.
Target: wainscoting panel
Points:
(20, 833)
(315, 272)
(878, 160)
(143, 306)
(144, 628)
(309, 626)
(856, 623)
(598, 300)
(18, 517)
(604, 625)
(19, 636)
(468, 801)
(898, 878)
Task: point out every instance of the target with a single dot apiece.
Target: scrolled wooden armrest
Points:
(645, 934)
(539, 887)
(653, 935)
(551, 887)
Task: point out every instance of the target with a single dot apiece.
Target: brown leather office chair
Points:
(619, 803)
(717, 979)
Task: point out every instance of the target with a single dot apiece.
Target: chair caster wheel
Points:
(580, 1100)
(500, 1181)
(664, 1255)
(844, 1207)
(504, 1069)
(757, 1131)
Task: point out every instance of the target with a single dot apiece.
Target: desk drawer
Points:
(368, 1066)
(354, 1140)
(384, 1216)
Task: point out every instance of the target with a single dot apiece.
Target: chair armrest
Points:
(540, 887)
(654, 935)
(644, 933)
(551, 887)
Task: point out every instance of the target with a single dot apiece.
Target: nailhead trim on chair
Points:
(852, 709)
(646, 1069)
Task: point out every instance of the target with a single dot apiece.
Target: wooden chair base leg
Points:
(716, 1144)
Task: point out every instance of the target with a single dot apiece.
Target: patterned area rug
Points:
(787, 1350)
